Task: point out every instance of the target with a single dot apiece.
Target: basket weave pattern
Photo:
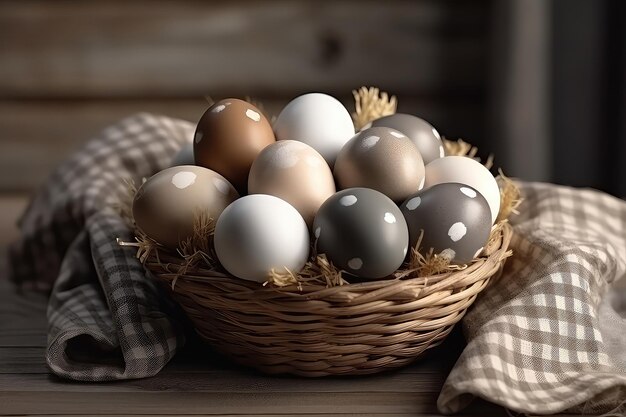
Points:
(314, 330)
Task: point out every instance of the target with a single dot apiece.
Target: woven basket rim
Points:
(169, 268)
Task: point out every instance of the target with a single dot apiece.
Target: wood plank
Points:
(199, 359)
(278, 415)
(36, 137)
(174, 48)
(465, 413)
(258, 403)
(478, 408)
(232, 381)
(11, 206)
(22, 318)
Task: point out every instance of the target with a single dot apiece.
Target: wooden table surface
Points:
(197, 381)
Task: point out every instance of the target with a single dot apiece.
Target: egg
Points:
(383, 159)
(294, 172)
(362, 232)
(455, 219)
(229, 136)
(422, 133)
(184, 156)
(165, 206)
(258, 233)
(465, 170)
(318, 120)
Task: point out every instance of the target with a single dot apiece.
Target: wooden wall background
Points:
(67, 69)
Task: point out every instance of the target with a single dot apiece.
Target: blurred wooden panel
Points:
(35, 136)
(11, 205)
(189, 48)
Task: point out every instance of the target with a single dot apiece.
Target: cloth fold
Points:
(548, 336)
(107, 319)
(536, 341)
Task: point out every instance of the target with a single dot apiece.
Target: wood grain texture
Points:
(260, 403)
(199, 359)
(183, 48)
(279, 415)
(241, 382)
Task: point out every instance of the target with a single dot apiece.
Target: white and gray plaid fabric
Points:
(537, 339)
(550, 335)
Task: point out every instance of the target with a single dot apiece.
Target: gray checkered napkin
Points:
(550, 335)
(107, 320)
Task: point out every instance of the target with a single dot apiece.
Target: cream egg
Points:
(294, 172)
(165, 206)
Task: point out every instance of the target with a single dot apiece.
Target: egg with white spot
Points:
(455, 220)
(383, 159)
(295, 172)
(422, 133)
(166, 205)
(229, 136)
(465, 170)
(317, 119)
(362, 232)
(260, 233)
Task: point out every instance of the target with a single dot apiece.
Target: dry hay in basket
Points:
(197, 253)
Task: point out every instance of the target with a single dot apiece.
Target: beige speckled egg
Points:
(294, 172)
(383, 159)
(165, 206)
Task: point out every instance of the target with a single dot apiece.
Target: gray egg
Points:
(184, 156)
(455, 218)
(362, 232)
(422, 133)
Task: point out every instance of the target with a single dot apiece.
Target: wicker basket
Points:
(322, 328)
(314, 330)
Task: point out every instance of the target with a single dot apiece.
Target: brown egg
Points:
(165, 206)
(229, 136)
(383, 159)
(294, 172)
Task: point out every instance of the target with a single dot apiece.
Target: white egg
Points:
(258, 233)
(318, 120)
(467, 171)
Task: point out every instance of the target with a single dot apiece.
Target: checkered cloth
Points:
(107, 320)
(550, 335)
